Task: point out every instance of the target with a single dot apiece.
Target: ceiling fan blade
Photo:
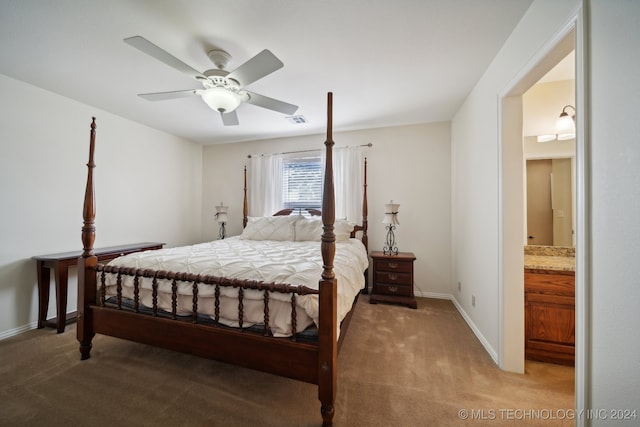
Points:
(161, 55)
(271, 104)
(162, 96)
(230, 119)
(256, 68)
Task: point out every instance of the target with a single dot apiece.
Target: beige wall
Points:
(148, 188)
(543, 103)
(409, 164)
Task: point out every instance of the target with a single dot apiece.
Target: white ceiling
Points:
(387, 62)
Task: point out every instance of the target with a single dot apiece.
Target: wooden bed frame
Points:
(312, 362)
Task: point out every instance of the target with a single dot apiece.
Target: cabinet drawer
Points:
(399, 266)
(392, 289)
(392, 277)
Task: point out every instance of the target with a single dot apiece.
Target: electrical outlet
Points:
(473, 300)
(459, 287)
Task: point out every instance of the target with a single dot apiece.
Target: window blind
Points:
(302, 182)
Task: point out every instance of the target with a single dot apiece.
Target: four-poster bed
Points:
(122, 300)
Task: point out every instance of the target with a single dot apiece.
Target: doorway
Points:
(513, 214)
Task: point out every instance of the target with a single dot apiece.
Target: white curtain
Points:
(265, 188)
(348, 170)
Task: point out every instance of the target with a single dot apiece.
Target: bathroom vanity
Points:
(549, 295)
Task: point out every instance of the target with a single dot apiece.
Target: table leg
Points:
(62, 275)
(43, 293)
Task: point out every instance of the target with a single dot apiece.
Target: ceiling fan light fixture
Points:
(221, 99)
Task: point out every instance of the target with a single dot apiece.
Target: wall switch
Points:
(473, 300)
(459, 287)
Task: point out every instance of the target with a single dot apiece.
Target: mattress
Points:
(290, 262)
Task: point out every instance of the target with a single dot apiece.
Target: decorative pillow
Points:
(343, 228)
(311, 229)
(308, 230)
(270, 228)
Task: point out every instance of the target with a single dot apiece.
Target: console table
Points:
(60, 264)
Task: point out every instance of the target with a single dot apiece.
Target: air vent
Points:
(297, 120)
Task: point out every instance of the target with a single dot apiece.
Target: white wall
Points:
(614, 87)
(148, 188)
(476, 176)
(612, 176)
(409, 164)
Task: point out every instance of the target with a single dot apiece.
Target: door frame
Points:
(572, 35)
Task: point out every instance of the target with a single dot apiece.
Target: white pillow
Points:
(311, 229)
(308, 230)
(343, 228)
(270, 228)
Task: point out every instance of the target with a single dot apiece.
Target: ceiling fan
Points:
(223, 90)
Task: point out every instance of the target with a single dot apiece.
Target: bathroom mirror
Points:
(550, 192)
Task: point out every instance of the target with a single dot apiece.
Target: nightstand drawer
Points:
(393, 277)
(392, 289)
(399, 266)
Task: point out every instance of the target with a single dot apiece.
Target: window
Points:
(302, 182)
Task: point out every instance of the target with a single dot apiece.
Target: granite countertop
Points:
(553, 258)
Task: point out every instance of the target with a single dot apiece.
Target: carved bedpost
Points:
(245, 207)
(327, 328)
(88, 261)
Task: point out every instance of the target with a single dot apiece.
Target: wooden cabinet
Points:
(393, 278)
(550, 316)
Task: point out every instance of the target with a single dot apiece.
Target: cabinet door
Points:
(550, 328)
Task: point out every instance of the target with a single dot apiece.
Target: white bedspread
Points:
(295, 263)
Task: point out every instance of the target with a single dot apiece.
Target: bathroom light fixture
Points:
(546, 138)
(391, 219)
(566, 124)
(221, 218)
(565, 127)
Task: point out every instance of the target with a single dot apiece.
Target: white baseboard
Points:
(13, 332)
(432, 295)
(476, 331)
(492, 353)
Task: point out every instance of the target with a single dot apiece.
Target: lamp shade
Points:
(221, 99)
(221, 213)
(391, 213)
(566, 125)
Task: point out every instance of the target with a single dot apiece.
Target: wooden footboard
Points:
(313, 362)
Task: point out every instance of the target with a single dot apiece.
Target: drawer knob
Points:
(393, 265)
(392, 288)
(393, 276)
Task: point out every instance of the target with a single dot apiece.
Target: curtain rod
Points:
(309, 151)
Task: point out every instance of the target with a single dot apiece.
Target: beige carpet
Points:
(397, 367)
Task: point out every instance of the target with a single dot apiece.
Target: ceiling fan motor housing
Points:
(221, 81)
(219, 57)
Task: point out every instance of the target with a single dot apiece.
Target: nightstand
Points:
(393, 278)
